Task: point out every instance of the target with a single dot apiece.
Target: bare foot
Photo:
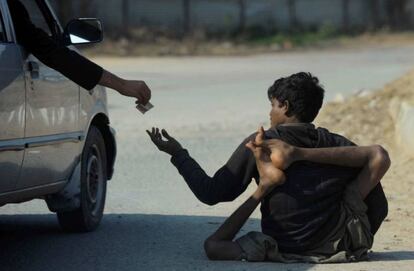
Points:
(281, 153)
(270, 176)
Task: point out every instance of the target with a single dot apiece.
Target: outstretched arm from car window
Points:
(131, 88)
(74, 66)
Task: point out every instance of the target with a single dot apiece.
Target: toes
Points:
(256, 150)
(260, 136)
(250, 146)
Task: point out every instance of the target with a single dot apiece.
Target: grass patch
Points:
(295, 39)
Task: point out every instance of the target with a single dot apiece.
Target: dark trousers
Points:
(377, 207)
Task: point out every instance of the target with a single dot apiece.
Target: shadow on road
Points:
(122, 242)
(391, 256)
(125, 242)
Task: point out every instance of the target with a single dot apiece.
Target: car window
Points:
(2, 31)
(63, 10)
(36, 15)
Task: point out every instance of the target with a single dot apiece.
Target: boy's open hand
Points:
(170, 146)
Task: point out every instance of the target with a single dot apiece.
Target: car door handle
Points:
(34, 69)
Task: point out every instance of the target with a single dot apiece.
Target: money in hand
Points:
(144, 108)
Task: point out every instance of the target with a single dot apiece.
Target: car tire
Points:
(93, 187)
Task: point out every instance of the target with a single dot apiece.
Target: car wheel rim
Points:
(94, 181)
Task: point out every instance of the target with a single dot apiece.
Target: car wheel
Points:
(93, 187)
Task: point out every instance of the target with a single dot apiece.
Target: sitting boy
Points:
(352, 238)
(304, 214)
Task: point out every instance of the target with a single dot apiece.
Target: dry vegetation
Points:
(151, 44)
(368, 119)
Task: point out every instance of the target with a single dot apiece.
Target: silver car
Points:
(55, 140)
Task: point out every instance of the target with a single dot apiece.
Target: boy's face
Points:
(277, 113)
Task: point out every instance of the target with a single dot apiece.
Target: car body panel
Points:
(12, 115)
(52, 108)
(44, 121)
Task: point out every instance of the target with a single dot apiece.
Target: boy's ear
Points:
(286, 106)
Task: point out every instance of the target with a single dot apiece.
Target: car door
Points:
(52, 112)
(12, 108)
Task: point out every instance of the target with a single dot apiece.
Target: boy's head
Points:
(296, 98)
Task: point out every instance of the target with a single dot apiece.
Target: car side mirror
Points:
(83, 31)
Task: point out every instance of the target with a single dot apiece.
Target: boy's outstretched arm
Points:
(220, 245)
(226, 184)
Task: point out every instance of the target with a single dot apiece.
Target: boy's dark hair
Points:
(302, 91)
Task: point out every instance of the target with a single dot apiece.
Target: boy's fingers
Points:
(165, 134)
(151, 135)
(266, 144)
(153, 139)
(259, 136)
(262, 130)
(259, 143)
(250, 145)
(157, 133)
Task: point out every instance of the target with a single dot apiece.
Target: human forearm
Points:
(235, 222)
(283, 155)
(340, 156)
(220, 245)
(223, 186)
(110, 80)
(195, 177)
(227, 183)
(131, 88)
(373, 160)
(67, 62)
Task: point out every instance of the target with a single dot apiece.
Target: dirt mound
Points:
(371, 119)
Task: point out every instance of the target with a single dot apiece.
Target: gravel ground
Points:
(153, 221)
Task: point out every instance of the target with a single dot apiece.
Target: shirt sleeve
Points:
(227, 183)
(74, 66)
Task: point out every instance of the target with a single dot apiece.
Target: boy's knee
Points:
(209, 248)
(381, 158)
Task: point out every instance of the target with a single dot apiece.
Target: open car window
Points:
(36, 15)
(2, 30)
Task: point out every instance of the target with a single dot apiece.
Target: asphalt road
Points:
(153, 222)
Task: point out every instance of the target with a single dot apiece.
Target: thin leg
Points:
(377, 207)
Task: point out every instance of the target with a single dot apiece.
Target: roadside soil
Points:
(200, 45)
(367, 119)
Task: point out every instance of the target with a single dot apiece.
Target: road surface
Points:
(210, 104)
